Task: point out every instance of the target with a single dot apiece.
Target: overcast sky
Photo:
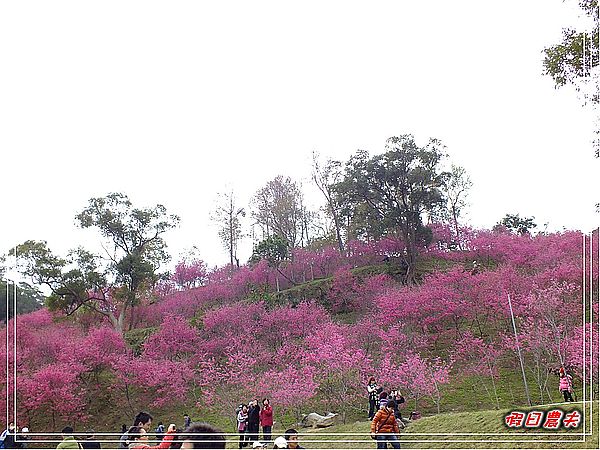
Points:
(170, 102)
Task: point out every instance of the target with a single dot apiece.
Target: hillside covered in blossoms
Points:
(309, 333)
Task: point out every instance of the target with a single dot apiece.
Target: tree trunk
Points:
(410, 259)
(117, 323)
(493, 384)
(131, 318)
(455, 219)
(231, 248)
(336, 224)
(548, 394)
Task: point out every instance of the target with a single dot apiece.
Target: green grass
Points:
(318, 288)
(418, 434)
(415, 435)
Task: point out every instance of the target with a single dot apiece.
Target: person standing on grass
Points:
(399, 398)
(383, 398)
(266, 419)
(565, 385)
(384, 427)
(253, 420)
(372, 391)
(242, 421)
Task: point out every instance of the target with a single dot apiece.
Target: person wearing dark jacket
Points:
(253, 420)
(372, 390)
(399, 399)
(159, 431)
(12, 439)
(23, 437)
(144, 420)
(9, 439)
(89, 442)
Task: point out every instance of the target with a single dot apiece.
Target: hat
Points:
(24, 430)
(257, 444)
(280, 442)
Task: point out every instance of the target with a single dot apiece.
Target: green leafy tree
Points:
(113, 284)
(576, 61)
(29, 299)
(517, 224)
(573, 59)
(390, 193)
(274, 250)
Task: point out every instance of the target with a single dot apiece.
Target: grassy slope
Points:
(464, 422)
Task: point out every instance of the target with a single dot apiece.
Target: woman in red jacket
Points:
(138, 438)
(266, 419)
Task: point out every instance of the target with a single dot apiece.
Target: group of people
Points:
(386, 418)
(193, 435)
(198, 435)
(379, 398)
(385, 415)
(251, 417)
(12, 437)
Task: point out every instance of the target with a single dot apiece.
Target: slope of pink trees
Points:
(220, 337)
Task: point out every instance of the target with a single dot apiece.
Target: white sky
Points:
(170, 102)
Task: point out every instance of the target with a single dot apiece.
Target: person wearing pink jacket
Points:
(565, 385)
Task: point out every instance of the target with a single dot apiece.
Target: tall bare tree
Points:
(456, 191)
(325, 176)
(278, 208)
(227, 215)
